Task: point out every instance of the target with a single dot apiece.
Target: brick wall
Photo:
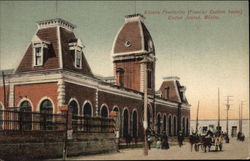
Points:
(80, 93)
(50, 145)
(131, 74)
(35, 92)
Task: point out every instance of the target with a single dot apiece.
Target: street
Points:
(233, 150)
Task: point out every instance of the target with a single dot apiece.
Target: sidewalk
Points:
(233, 150)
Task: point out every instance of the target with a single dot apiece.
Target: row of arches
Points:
(127, 122)
(169, 124)
(46, 105)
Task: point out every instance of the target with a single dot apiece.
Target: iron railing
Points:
(37, 121)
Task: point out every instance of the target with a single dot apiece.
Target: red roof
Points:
(58, 52)
(135, 33)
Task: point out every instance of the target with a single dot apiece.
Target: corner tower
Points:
(132, 43)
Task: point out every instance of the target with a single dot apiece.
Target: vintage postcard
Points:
(124, 80)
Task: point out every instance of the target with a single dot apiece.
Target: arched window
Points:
(74, 107)
(164, 123)
(125, 123)
(26, 115)
(87, 110)
(117, 122)
(175, 126)
(135, 124)
(104, 111)
(1, 116)
(170, 125)
(46, 119)
(158, 123)
(187, 128)
(116, 109)
(183, 126)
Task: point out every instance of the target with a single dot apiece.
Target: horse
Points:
(194, 140)
(206, 142)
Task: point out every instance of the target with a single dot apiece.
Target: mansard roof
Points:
(133, 37)
(172, 90)
(58, 33)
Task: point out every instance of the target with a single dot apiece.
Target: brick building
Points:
(54, 72)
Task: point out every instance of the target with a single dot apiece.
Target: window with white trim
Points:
(39, 51)
(78, 59)
(76, 49)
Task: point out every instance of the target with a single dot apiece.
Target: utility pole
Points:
(4, 91)
(218, 126)
(227, 108)
(196, 129)
(240, 116)
(145, 90)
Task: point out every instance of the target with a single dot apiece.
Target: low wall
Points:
(50, 145)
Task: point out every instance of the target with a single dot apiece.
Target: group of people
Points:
(161, 143)
(241, 136)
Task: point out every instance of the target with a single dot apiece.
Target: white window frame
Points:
(43, 46)
(35, 54)
(78, 55)
(76, 47)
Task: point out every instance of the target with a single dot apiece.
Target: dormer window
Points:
(38, 56)
(76, 49)
(40, 48)
(78, 59)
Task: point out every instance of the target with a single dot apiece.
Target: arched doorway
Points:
(158, 124)
(135, 128)
(87, 109)
(26, 115)
(164, 123)
(125, 123)
(170, 125)
(46, 109)
(104, 111)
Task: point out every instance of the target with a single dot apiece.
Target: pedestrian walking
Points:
(180, 139)
(149, 139)
(165, 144)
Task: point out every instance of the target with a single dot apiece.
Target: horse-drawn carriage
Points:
(206, 141)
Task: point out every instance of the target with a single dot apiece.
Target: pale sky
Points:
(206, 54)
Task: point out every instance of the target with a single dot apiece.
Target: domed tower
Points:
(132, 44)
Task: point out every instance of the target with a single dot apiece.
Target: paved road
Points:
(233, 150)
